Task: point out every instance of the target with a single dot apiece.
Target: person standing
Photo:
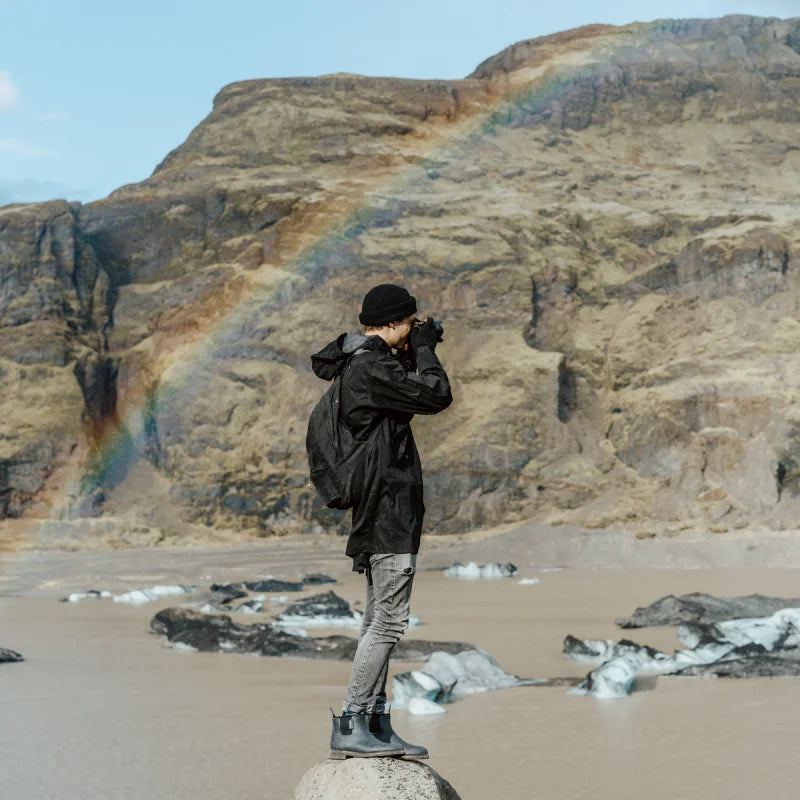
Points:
(388, 374)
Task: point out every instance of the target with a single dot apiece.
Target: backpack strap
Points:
(336, 398)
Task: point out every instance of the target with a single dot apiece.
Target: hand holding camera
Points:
(429, 332)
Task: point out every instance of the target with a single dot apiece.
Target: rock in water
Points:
(218, 633)
(274, 585)
(9, 655)
(738, 648)
(226, 592)
(373, 779)
(704, 608)
(320, 610)
(188, 628)
(317, 578)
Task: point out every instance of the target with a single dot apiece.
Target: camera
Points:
(437, 326)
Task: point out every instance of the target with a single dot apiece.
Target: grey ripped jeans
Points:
(389, 580)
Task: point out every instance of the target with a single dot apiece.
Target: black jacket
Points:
(379, 399)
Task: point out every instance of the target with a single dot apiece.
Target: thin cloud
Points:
(54, 116)
(8, 92)
(16, 147)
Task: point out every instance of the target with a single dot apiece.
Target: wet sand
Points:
(103, 709)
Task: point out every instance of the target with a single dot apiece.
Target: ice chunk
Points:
(417, 684)
(139, 596)
(281, 600)
(598, 651)
(446, 677)
(615, 678)
(746, 641)
(252, 606)
(470, 671)
(7, 655)
(473, 571)
(76, 597)
(182, 647)
(419, 705)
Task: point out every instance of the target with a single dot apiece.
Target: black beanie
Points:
(386, 303)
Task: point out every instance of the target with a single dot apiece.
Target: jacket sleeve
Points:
(424, 392)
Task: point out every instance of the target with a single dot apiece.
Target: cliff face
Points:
(605, 220)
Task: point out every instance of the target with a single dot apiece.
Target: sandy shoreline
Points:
(119, 714)
(529, 546)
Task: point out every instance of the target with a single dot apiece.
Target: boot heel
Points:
(337, 755)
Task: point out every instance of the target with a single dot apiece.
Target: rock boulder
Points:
(373, 779)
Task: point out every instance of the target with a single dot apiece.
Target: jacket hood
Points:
(327, 363)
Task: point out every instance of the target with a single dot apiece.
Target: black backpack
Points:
(336, 459)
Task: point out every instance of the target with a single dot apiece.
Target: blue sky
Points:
(94, 93)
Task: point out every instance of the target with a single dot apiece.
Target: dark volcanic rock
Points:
(703, 608)
(212, 633)
(784, 664)
(317, 579)
(218, 633)
(274, 585)
(9, 655)
(226, 592)
(327, 604)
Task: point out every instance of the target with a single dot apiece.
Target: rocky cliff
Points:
(605, 220)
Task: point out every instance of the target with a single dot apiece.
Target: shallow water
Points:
(103, 709)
